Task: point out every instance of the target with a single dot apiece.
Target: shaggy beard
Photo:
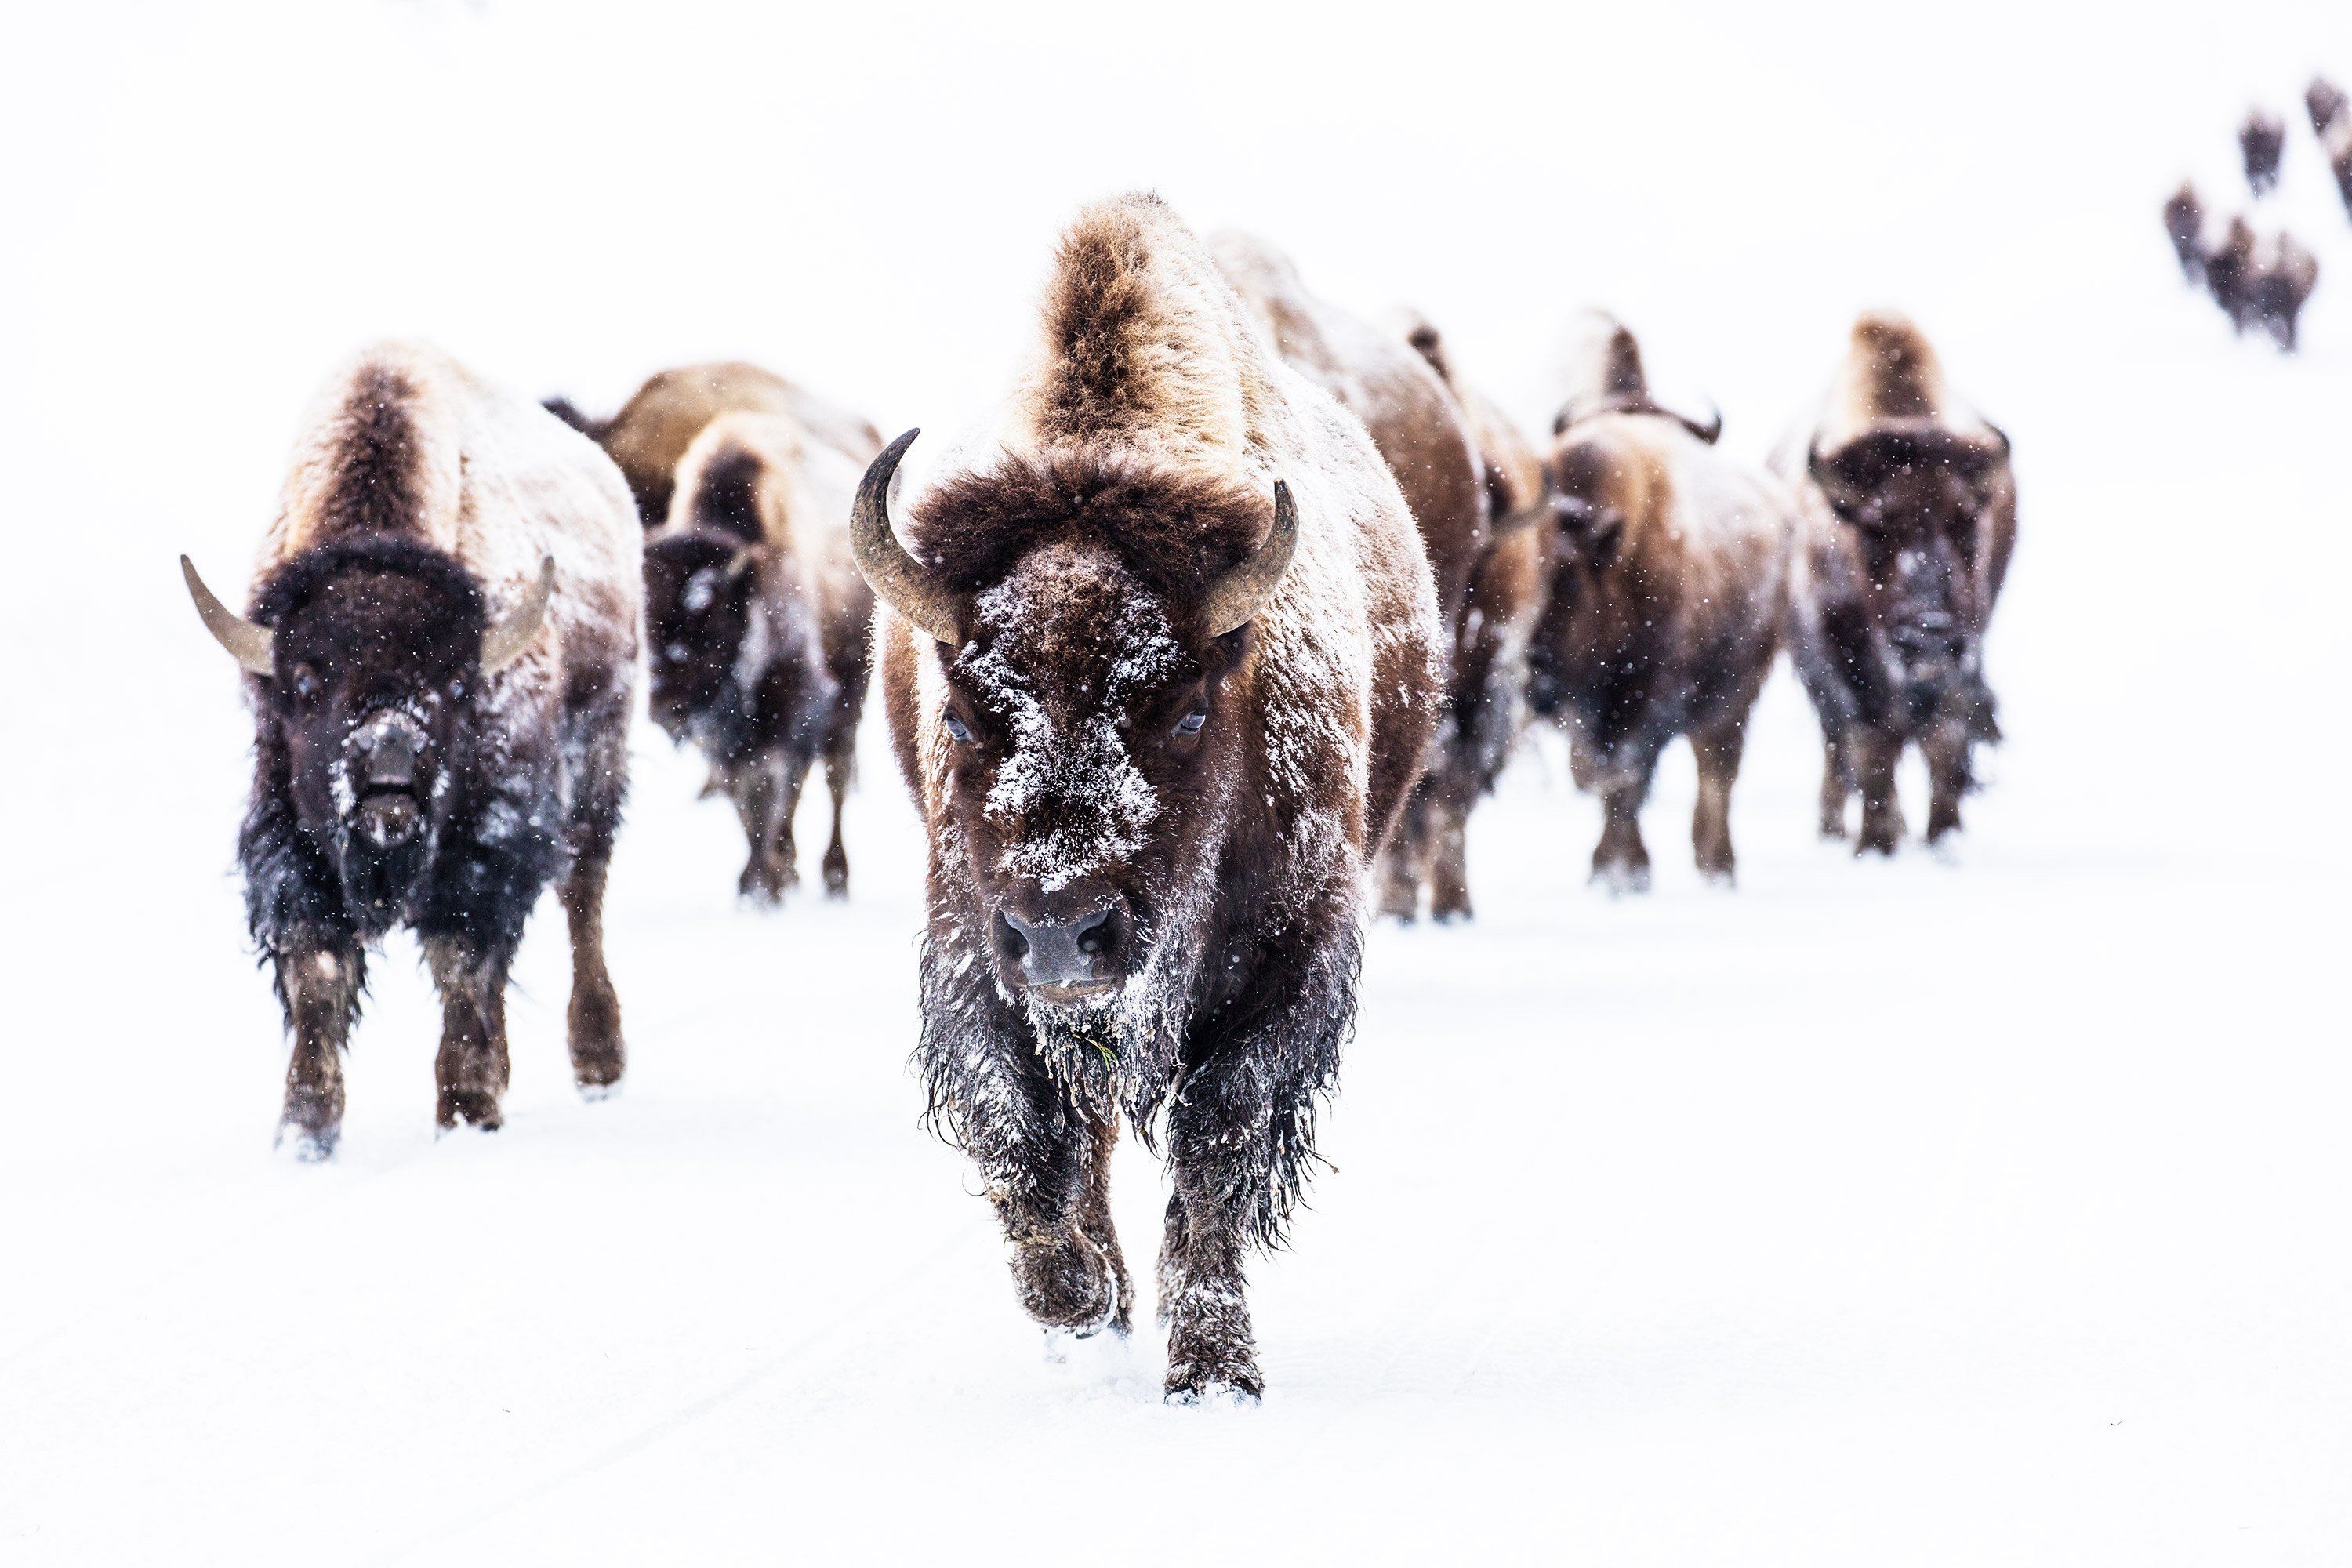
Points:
(377, 878)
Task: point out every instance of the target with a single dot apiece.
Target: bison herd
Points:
(2263, 281)
(1196, 657)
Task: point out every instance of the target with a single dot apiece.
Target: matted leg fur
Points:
(471, 1067)
(320, 979)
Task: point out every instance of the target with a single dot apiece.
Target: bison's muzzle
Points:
(384, 758)
(1066, 949)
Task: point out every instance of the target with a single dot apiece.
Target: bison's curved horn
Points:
(1235, 599)
(246, 643)
(1708, 431)
(504, 643)
(901, 579)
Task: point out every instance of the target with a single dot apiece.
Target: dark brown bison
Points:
(1668, 573)
(2261, 141)
(2262, 282)
(1161, 664)
(661, 419)
(2325, 103)
(1908, 515)
(2335, 136)
(1486, 704)
(1425, 437)
(441, 649)
(757, 619)
(2184, 223)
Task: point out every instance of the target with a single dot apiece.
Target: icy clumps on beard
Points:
(1069, 767)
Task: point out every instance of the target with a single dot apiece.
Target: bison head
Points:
(1087, 612)
(738, 657)
(367, 653)
(1915, 499)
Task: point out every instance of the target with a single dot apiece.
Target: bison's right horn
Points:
(246, 643)
(1708, 431)
(897, 576)
(1235, 599)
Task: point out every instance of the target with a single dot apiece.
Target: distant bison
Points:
(652, 431)
(2261, 141)
(441, 652)
(2331, 118)
(757, 621)
(2262, 282)
(1668, 580)
(1161, 661)
(1909, 515)
(1486, 705)
(1424, 437)
(2184, 223)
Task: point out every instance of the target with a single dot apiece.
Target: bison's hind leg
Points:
(471, 1067)
(319, 981)
(593, 1021)
(1404, 860)
(1719, 751)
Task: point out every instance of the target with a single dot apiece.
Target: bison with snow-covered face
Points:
(441, 649)
(1668, 584)
(1485, 706)
(1161, 665)
(1907, 516)
(649, 437)
(1423, 435)
(758, 619)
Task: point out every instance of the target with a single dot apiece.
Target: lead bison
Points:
(759, 622)
(1423, 435)
(650, 434)
(1668, 577)
(1909, 515)
(440, 652)
(1161, 664)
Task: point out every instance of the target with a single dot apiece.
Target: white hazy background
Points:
(1988, 1209)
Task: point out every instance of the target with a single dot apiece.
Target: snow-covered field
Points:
(1992, 1208)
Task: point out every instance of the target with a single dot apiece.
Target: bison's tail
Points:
(564, 409)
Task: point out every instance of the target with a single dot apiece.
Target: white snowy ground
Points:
(1990, 1211)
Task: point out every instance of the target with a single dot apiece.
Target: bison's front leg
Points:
(319, 981)
(1946, 748)
(471, 1067)
(594, 1019)
(765, 793)
(1404, 860)
(840, 765)
(1874, 753)
(1719, 751)
(1621, 862)
(1836, 788)
(1067, 1267)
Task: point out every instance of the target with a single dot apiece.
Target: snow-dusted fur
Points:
(1908, 515)
(1087, 750)
(1425, 437)
(651, 432)
(1668, 587)
(1486, 704)
(757, 620)
(420, 505)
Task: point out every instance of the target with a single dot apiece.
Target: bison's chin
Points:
(1081, 1043)
(384, 848)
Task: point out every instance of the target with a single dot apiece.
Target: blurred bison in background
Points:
(2184, 223)
(1487, 700)
(441, 651)
(1908, 514)
(757, 619)
(661, 419)
(1425, 439)
(2262, 282)
(2261, 140)
(1668, 574)
(1161, 665)
(2331, 118)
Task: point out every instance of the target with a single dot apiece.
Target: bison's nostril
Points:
(1016, 939)
(1094, 933)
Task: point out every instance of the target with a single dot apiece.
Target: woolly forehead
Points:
(1071, 624)
(388, 607)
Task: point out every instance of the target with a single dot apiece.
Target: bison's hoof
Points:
(1718, 877)
(1877, 841)
(1452, 914)
(1622, 877)
(469, 1108)
(596, 1068)
(307, 1145)
(837, 876)
(1239, 1386)
(594, 1090)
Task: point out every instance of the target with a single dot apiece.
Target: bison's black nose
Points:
(384, 751)
(1076, 956)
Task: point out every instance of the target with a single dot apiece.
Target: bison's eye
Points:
(957, 731)
(1191, 723)
(305, 681)
(457, 688)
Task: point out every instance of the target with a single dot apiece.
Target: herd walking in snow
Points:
(1197, 659)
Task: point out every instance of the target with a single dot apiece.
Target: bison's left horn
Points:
(901, 579)
(1235, 599)
(1708, 431)
(246, 643)
(504, 643)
